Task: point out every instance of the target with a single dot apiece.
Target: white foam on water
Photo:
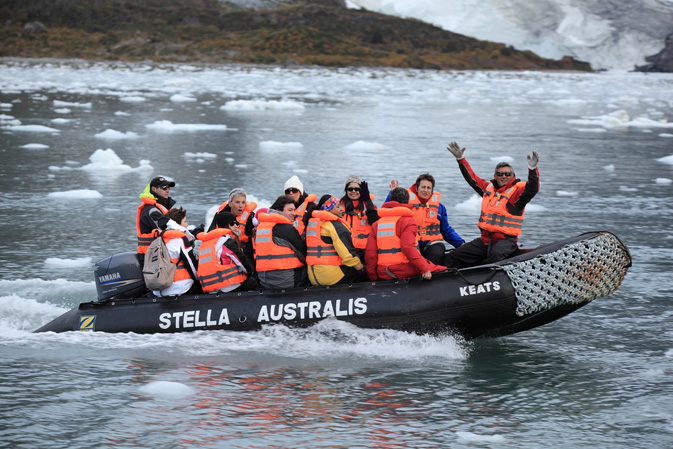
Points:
(80, 194)
(19, 315)
(261, 105)
(477, 438)
(111, 134)
(166, 126)
(35, 146)
(68, 263)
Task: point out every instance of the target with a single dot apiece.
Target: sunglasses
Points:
(504, 173)
(233, 223)
(353, 189)
(291, 190)
(164, 187)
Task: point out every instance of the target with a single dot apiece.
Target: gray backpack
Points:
(158, 270)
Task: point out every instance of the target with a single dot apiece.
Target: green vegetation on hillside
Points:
(302, 32)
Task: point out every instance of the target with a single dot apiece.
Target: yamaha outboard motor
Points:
(120, 276)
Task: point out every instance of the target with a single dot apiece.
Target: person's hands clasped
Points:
(455, 149)
(533, 160)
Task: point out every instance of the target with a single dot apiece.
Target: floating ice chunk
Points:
(535, 208)
(617, 119)
(230, 160)
(473, 204)
(55, 262)
(644, 122)
(668, 135)
(133, 99)
(271, 145)
(35, 146)
(166, 126)
(260, 105)
(62, 111)
(627, 189)
(469, 436)
(55, 168)
(6, 117)
(663, 181)
(6, 105)
(177, 98)
(33, 129)
(179, 82)
(122, 113)
(566, 193)
(362, 145)
(108, 161)
(507, 159)
(200, 155)
(111, 134)
(591, 130)
(174, 390)
(609, 168)
(666, 160)
(82, 194)
(60, 121)
(61, 104)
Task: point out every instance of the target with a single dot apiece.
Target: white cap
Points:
(294, 182)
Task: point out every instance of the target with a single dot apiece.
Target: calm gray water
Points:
(600, 377)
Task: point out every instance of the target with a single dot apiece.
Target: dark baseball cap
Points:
(160, 181)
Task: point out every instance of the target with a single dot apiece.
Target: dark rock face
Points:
(662, 61)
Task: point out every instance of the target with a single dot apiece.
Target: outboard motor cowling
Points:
(120, 276)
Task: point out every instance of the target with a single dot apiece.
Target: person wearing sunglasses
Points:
(504, 199)
(280, 252)
(223, 267)
(156, 202)
(243, 210)
(359, 210)
(304, 203)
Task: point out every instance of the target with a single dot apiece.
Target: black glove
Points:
(198, 229)
(349, 206)
(364, 192)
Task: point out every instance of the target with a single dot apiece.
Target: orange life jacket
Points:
(268, 255)
(213, 275)
(144, 240)
(181, 273)
(387, 240)
(427, 217)
(494, 214)
(317, 251)
(300, 211)
(243, 218)
(359, 226)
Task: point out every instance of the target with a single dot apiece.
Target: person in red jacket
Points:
(391, 251)
(504, 199)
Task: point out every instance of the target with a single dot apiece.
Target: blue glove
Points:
(364, 192)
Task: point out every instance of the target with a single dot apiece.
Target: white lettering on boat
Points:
(479, 288)
(109, 277)
(192, 319)
(311, 310)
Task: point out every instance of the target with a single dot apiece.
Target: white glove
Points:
(455, 149)
(533, 159)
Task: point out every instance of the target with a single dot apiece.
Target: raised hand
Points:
(455, 149)
(364, 192)
(394, 184)
(533, 159)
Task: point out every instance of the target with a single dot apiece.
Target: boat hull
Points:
(486, 301)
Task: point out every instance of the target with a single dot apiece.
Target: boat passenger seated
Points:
(222, 265)
(180, 244)
(280, 252)
(391, 251)
(330, 254)
(304, 203)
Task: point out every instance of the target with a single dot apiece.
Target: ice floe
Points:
(32, 128)
(35, 146)
(270, 145)
(178, 98)
(666, 160)
(70, 104)
(81, 194)
(260, 105)
(165, 389)
(111, 134)
(362, 145)
(166, 126)
(620, 120)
